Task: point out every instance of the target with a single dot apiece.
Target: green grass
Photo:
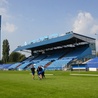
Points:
(19, 84)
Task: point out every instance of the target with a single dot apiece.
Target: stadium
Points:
(68, 61)
(70, 51)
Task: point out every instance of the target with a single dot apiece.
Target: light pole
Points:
(96, 42)
(0, 37)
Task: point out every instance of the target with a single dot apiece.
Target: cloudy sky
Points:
(27, 20)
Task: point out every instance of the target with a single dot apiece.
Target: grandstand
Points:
(58, 52)
(92, 65)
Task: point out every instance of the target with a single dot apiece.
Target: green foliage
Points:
(1, 62)
(16, 57)
(5, 51)
(97, 54)
(19, 84)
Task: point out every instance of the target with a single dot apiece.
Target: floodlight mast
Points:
(96, 42)
(0, 37)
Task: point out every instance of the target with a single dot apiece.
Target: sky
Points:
(27, 20)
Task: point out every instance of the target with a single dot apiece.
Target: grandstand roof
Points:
(69, 38)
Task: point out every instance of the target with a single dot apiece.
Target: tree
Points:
(97, 54)
(1, 62)
(5, 51)
(16, 57)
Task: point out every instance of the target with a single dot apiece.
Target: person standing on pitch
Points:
(33, 71)
(43, 72)
(39, 71)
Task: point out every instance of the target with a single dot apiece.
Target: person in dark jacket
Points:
(39, 71)
(43, 72)
(33, 71)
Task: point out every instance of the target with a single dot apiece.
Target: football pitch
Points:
(57, 84)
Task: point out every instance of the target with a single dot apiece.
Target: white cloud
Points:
(4, 14)
(85, 23)
(4, 10)
(94, 29)
(3, 2)
(9, 27)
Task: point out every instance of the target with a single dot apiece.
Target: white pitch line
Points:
(45, 74)
(48, 74)
(84, 74)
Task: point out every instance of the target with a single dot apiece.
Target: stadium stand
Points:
(23, 66)
(92, 64)
(57, 52)
(5, 66)
(58, 64)
(13, 66)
